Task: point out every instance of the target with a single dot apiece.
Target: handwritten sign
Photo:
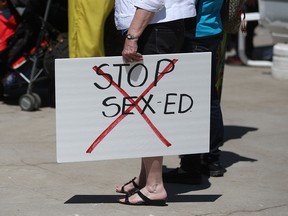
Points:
(108, 109)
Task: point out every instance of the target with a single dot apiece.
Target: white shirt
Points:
(165, 10)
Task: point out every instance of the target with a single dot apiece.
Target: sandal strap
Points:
(127, 199)
(145, 200)
(133, 182)
(143, 197)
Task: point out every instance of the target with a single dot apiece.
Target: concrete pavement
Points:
(255, 108)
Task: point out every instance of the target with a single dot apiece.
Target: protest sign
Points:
(107, 109)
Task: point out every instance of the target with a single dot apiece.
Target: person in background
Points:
(150, 27)
(249, 7)
(204, 35)
(8, 24)
(86, 21)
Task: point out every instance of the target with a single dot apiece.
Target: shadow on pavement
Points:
(236, 132)
(176, 192)
(88, 199)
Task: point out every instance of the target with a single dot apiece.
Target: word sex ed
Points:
(170, 100)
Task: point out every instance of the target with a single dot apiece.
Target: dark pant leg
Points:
(3, 70)
(207, 44)
(250, 31)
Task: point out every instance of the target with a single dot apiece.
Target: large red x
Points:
(135, 103)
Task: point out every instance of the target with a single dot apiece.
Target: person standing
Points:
(150, 27)
(204, 35)
(250, 6)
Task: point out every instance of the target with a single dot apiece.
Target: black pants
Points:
(206, 44)
(250, 28)
(162, 38)
(3, 70)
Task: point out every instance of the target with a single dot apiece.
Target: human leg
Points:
(250, 30)
(210, 162)
(154, 187)
(3, 70)
(136, 183)
(192, 165)
(210, 44)
(1, 87)
(156, 39)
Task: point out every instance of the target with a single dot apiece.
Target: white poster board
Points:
(106, 109)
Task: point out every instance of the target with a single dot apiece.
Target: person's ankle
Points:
(155, 188)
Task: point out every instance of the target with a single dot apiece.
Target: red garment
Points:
(7, 29)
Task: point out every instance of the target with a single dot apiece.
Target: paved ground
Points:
(255, 107)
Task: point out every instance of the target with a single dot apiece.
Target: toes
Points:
(122, 200)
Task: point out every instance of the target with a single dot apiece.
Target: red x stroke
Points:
(135, 103)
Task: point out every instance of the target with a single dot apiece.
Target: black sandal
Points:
(130, 192)
(146, 201)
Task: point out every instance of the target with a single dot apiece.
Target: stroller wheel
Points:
(28, 102)
(38, 101)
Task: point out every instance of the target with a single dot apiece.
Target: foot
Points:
(146, 197)
(233, 60)
(214, 169)
(128, 187)
(180, 176)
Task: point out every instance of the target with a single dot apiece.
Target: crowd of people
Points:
(152, 27)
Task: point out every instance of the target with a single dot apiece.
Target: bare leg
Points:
(140, 180)
(154, 187)
(142, 177)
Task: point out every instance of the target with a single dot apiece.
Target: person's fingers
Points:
(132, 57)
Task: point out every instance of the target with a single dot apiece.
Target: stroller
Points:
(31, 51)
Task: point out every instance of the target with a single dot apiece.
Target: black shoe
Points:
(179, 176)
(214, 169)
